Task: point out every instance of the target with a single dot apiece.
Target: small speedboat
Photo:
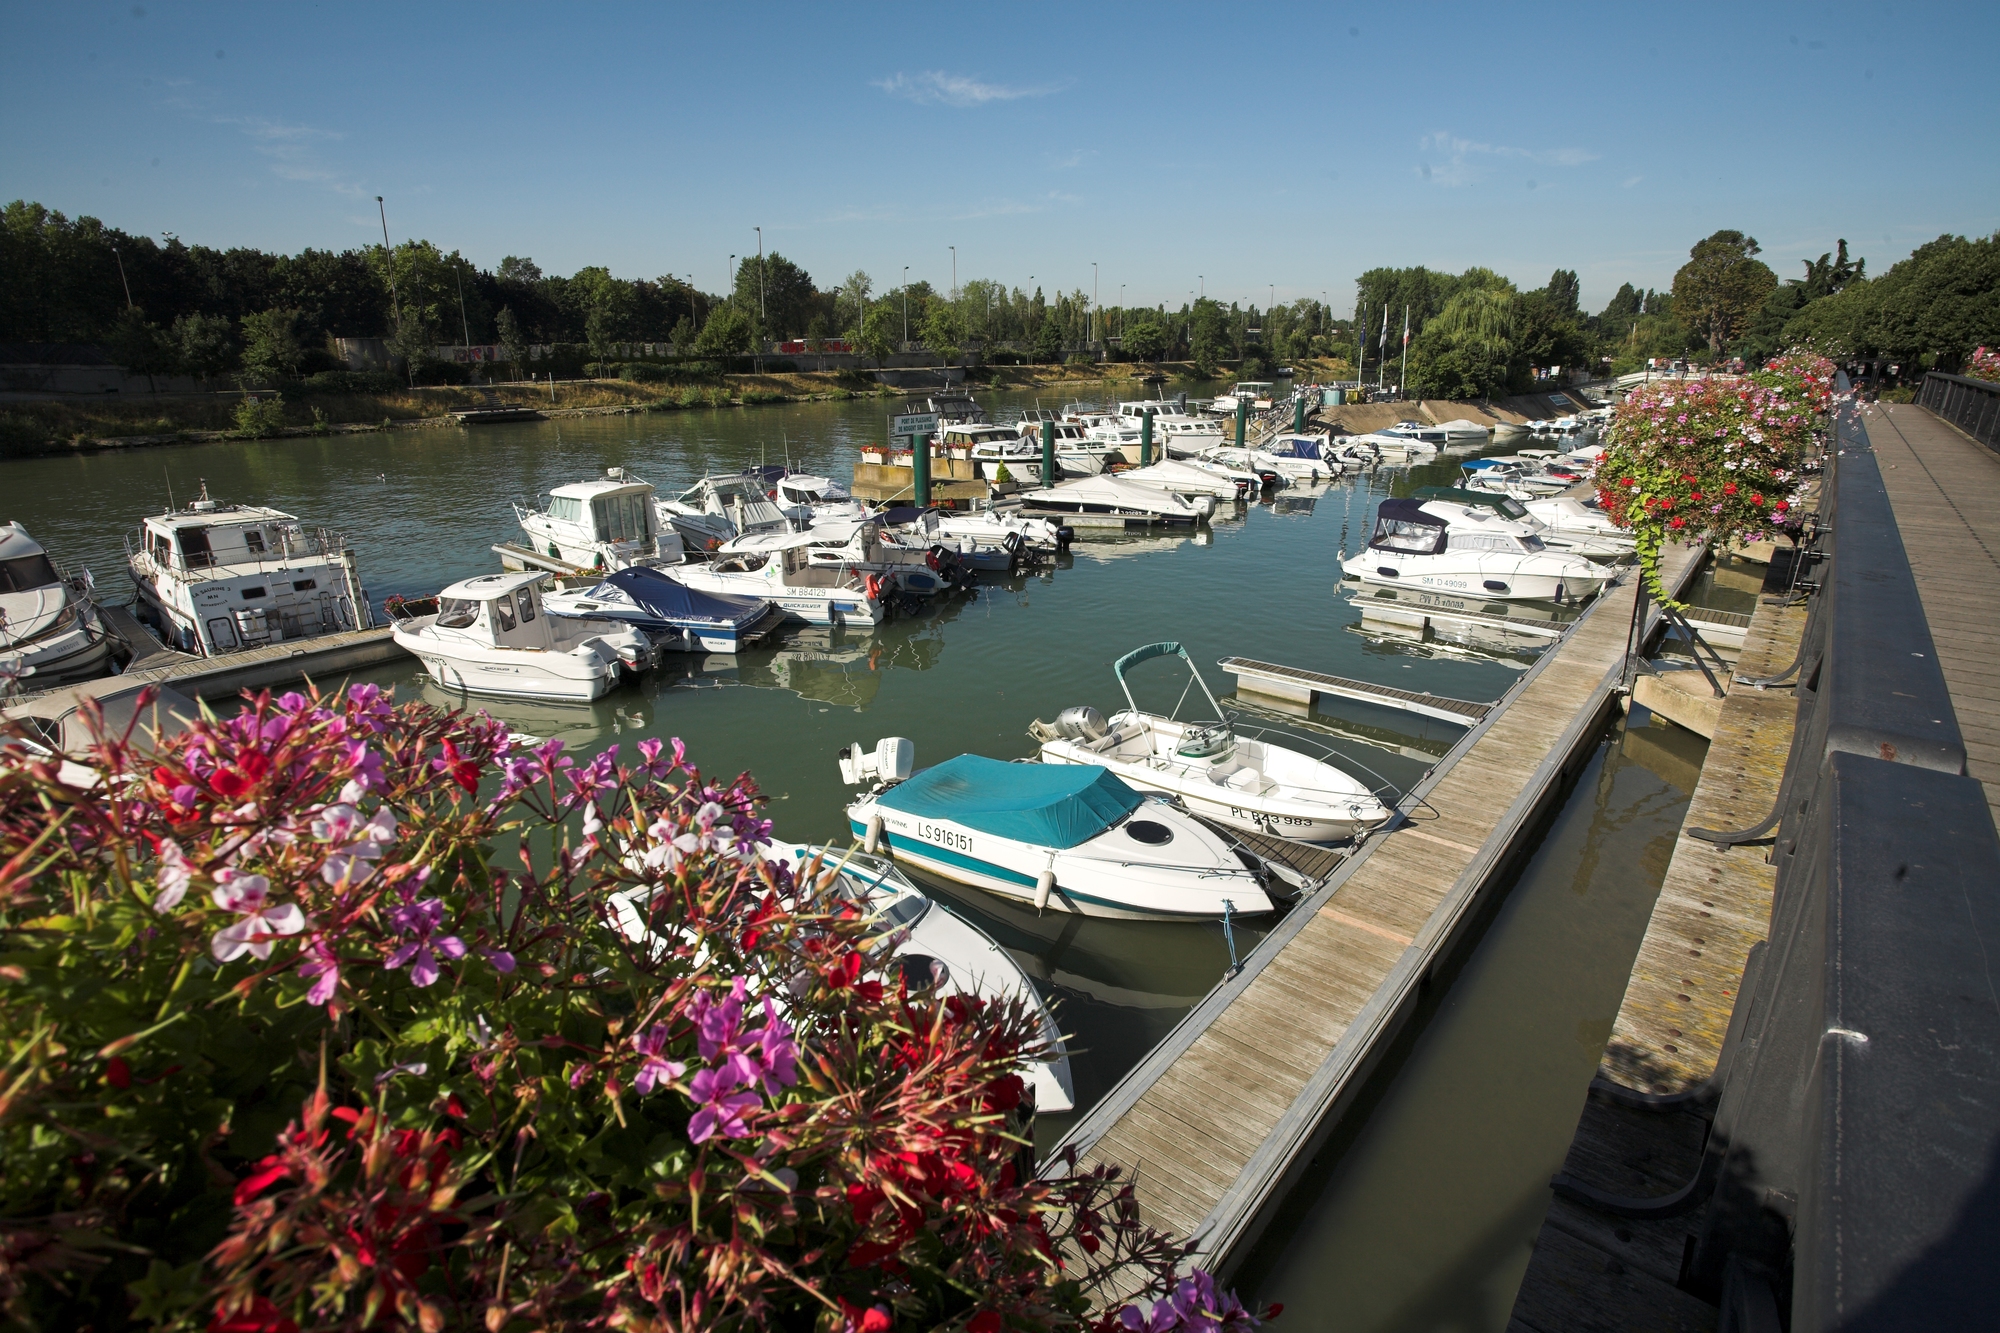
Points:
(673, 615)
(1272, 468)
(1414, 547)
(1070, 837)
(491, 635)
(1478, 510)
(933, 946)
(1213, 772)
(1113, 501)
(609, 523)
(50, 632)
(716, 509)
(807, 499)
(1462, 431)
(1188, 481)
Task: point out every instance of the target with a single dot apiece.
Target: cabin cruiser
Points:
(997, 448)
(807, 499)
(779, 567)
(1392, 448)
(50, 632)
(1069, 837)
(1256, 393)
(933, 946)
(610, 523)
(1483, 510)
(1520, 479)
(671, 614)
(1413, 547)
(1112, 501)
(866, 548)
(716, 509)
(1308, 456)
(1461, 431)
(1080, 450)
(1188, 481)
(1568, 516)
(1437, 436)
(1278, 469)
(1213, 772)
(490, 635)
(994, 527)
(215, 578)
(985, 548)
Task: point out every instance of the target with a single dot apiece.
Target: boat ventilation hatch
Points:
(1150, 832)
(1496, 585)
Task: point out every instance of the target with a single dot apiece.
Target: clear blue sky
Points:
(1289, 147)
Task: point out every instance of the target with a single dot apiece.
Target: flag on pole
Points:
(1384, 348)
(1406, 327)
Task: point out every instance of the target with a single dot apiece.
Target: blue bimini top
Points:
(1048, 805)
(672, 601)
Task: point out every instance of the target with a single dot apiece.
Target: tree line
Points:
(166, 307)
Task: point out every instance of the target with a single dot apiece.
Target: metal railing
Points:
(1852, 1170)
(1971, 405)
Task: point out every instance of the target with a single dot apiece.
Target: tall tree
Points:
(1565, 292)
(206, 344)
(271, 349)
(1721, 286)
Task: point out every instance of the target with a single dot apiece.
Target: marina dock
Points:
(1221, 1116)
(1298, 685)
(323, 659)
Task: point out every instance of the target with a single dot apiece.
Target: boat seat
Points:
(1245, 779)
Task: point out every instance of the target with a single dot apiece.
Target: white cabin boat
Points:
(1423, 433)
(216, 578)
(1109, 501)
(716, 509)
(1188, 481)
(50, 632)
(1412, 547)
(490, 635)
(1230, 779)
(1477, 510)
(1068, 837)
(779, 568)
(610, 523)
(912, 567)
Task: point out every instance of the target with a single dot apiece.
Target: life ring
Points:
(873, 584)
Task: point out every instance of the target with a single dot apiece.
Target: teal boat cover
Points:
(1049, 805)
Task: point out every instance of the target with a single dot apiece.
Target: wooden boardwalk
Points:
(1945, 489)
(1590, 1270)
(1220, 1116)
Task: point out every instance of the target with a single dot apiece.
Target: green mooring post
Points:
(1242, 420)
(1048, 453)
(1299, 414)
(920, 469)
(1146, 439)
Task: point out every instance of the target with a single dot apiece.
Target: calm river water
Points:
(424, 507)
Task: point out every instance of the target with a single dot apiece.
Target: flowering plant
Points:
(1714, 460)
(1985, 364)
(340, 1015)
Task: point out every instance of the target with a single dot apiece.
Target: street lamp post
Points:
(1204, 286)
(954, 271)
(763, 314)
(126, 283)
(1093, 303)
(906, 304)
(732, 282)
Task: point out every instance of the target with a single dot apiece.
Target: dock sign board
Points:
(918, 424)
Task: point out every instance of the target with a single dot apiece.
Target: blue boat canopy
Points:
(675, 602)
(1048, 805)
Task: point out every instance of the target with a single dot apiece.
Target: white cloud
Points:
(1462, 165)
(291, 151)
(936, 86)
(1630, 181)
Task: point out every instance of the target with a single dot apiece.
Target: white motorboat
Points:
(780, 569)
(1568, 515)
(671, 614)
(610, 523)
(934, 946)
(1482, 511)
(1520, 480)
(214, 578)
(807, 499)
(1461, 431)
(997, 524)
(1080, 450)
(1392, 448)
(1109, 501)
(1412, 547)
(50, 632)
(1307, 458)
(1258, 394)
(1213, 772)
(716, 509)
(491, 635)
(1419, 431)
(1272, 468)
(1069, 837)
(907, 566)
(913, 533)
(1188, 481)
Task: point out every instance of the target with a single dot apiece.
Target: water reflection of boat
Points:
(1425, 747)
(580, 726)
(1116, 548)
(1416, 616)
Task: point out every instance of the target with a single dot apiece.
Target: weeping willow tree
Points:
(1468, 349)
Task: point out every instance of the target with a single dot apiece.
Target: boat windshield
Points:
(1393, 534)
(457, 613)
(25, 573)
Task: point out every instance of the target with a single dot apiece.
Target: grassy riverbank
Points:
(49, 425)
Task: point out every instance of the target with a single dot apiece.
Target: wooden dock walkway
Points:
(1945, 489)
(1216, 1121)
(1591, 1270)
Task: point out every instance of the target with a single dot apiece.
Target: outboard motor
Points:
(1081, 723)
(892, 760)
(1065, 534)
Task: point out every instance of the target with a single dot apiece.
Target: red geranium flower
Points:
(1678, 523)
(1729, 488)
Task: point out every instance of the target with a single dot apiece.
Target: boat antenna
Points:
(169, 474)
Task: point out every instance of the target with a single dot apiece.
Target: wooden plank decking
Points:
(1945, 489)
(1258, 677)
(1216, 1119)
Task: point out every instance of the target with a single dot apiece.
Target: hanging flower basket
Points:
(1713, 460)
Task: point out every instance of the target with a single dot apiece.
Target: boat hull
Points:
(1085, 885)
(567, 679)
(1485, 584)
